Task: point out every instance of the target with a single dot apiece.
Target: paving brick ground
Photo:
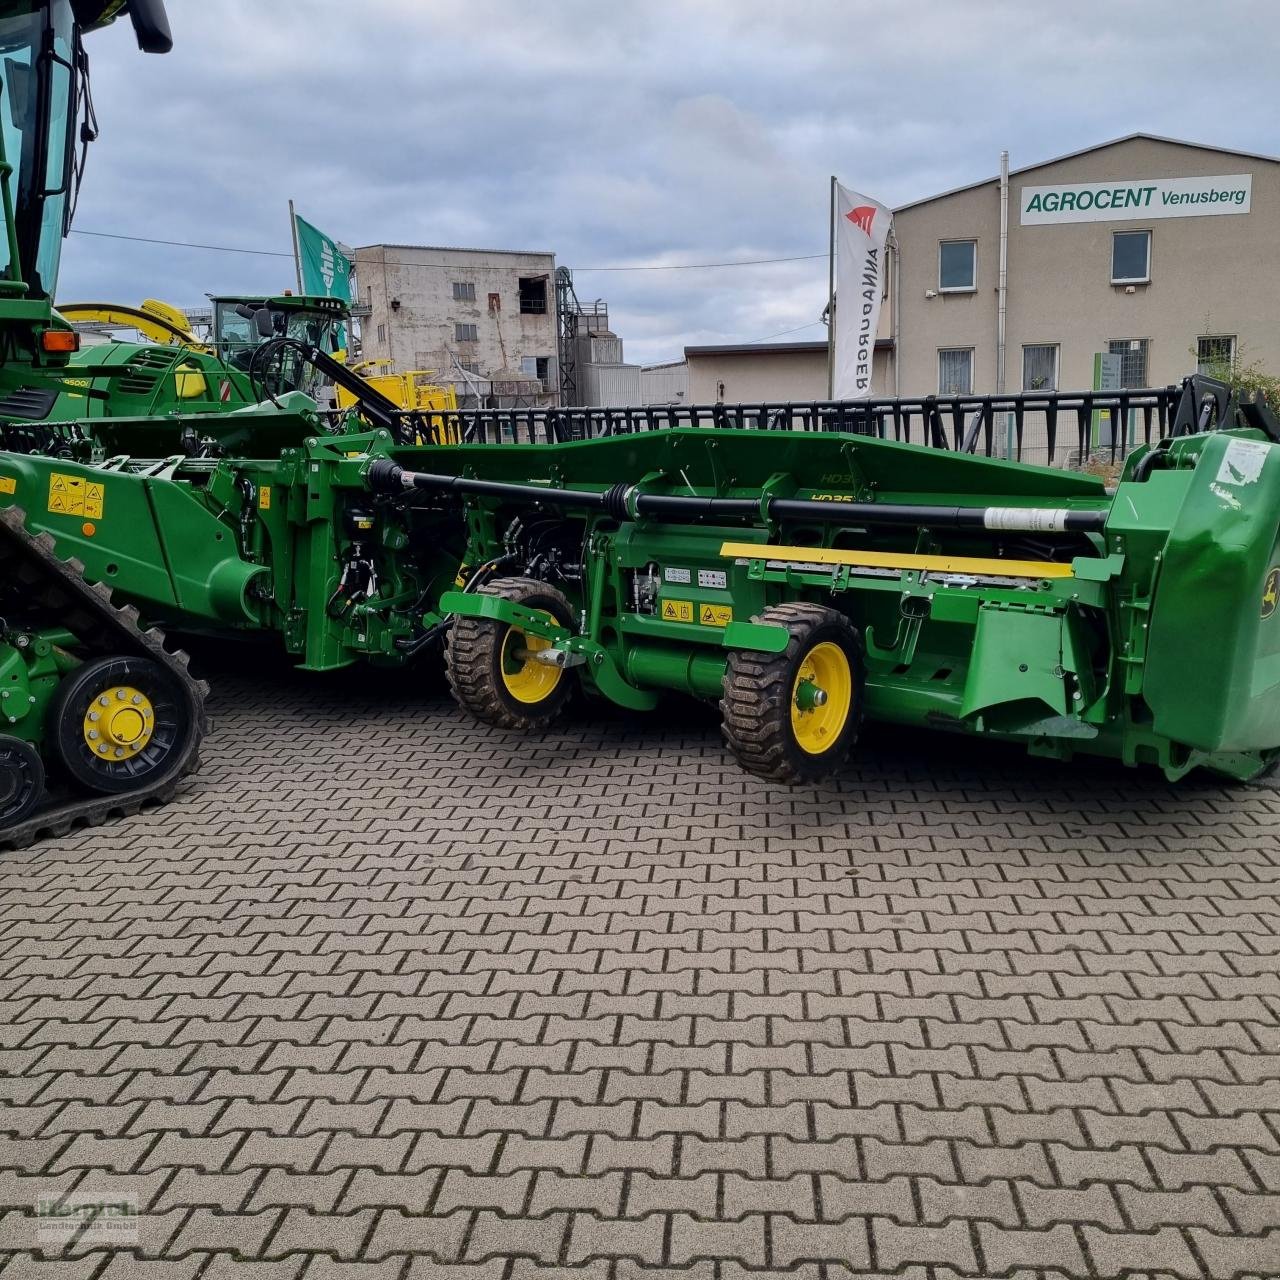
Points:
(386, 995)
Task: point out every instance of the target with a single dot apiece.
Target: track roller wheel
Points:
(794, 716)
(491, 666)
(117, 724)
(21, 780)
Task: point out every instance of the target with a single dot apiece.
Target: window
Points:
(1130, 257)
(533, 295)
(955, 372)
(465, 333)
(529, 366)
(543, 368)
(1133, 360)
(1215, 355)
(957, 266)
(382, 334)
(469, 366)
(463, 291)
(1040, 367)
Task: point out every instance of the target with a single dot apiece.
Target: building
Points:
(1151, 253)
(666, 383)
(482, 319)
(781, 372)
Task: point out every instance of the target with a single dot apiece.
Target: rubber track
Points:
(756, 705)
(472, 655)
(31, 564)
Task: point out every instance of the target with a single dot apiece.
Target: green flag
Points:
(326, 270)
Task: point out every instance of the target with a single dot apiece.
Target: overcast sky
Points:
(649, 132)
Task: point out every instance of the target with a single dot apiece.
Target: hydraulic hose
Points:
(385, 476)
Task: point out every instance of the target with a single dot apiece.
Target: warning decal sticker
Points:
(8, 484)
(75, 496)
(1242, 462)
(715, 615)
(677, 611)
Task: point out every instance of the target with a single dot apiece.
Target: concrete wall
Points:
(1209, 275)
(769, 374)
(420, 332)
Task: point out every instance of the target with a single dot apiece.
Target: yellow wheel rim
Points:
(821, 698)
(525, 678)
(119, 723)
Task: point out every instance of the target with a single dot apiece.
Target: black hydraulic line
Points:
(385, 476)
(916, 514)
(663, 506)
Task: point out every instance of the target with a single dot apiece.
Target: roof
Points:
(1084, 151)
(771, 348)
(445, 248)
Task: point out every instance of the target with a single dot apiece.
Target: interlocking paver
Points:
(384, 994)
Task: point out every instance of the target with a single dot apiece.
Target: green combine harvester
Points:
(173, 371)
(791, 563)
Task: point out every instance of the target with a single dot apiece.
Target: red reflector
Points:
(60, 340)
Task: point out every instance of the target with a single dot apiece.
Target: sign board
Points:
(1135, 199)
(1106, 377)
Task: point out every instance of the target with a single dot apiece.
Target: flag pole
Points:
(297, 256)
(831, 297)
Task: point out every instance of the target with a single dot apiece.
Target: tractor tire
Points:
(767, 725)
(117, 724)
(21, 780)
(487, 676)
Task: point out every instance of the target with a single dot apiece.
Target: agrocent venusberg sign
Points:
(1137, 199)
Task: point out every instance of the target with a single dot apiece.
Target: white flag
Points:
(862, 230)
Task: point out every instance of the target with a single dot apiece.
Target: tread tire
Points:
(757, 697)
(473, 660)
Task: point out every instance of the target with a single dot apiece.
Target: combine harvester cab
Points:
(808, 580)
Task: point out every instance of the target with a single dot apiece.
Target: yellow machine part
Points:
(156, 321)
(411, 390)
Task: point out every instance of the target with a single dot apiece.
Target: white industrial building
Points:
(483, 320)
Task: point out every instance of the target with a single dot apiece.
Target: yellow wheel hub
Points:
(821, 698)
(525, 678)
(119, 723)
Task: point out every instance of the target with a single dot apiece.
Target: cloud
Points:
(662, 131)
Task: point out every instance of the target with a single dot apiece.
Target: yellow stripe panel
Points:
(975, 565)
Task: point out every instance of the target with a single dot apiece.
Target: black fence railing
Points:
(1049, 427)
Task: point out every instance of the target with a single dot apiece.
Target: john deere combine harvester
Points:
(804, 579)
(173, 370)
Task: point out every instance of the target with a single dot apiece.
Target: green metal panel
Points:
(1213, 653)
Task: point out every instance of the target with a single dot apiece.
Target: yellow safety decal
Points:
(677, 611)
(1271, 593)
(715, 615)
(976, 565)
(75, 496)
(8, 484)
(264, 497)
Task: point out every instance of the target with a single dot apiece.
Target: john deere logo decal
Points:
(1271, 593)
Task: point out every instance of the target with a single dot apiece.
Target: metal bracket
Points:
(468, 605)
